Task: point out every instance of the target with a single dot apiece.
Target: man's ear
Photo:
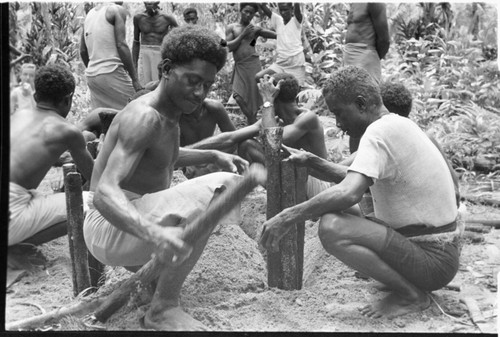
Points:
(361, 103)
(166, 66)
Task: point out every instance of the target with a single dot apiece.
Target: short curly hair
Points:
(289, 87)
(396, 97)
(349, 82)
(184, 44)
(190, 10)
(251, 4)
(53, 83)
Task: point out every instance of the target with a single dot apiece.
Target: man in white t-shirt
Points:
(412, 243)
(289, 49)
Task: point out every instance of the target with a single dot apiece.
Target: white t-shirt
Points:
(288, 37)
(412, 182)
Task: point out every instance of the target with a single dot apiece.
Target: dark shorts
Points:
(427, 265)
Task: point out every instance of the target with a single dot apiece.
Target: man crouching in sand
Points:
(136, 212)
(411, 243)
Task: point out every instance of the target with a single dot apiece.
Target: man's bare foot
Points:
(395, 305)
(172, 319)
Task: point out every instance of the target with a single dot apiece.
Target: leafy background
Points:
(445, 53)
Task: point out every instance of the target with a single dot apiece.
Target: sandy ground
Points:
(227, 289)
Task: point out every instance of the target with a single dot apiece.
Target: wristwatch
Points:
(267, 104)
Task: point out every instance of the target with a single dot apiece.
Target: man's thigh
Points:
(428, 265)
(40, 213)
(175, 206)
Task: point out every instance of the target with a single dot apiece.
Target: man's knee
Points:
(332, 230)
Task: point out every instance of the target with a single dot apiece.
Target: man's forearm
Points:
(333, 199)
(136, 48)
(189, 157)
(325, 170)
(382, 48)
(220, 142)
(126, 58)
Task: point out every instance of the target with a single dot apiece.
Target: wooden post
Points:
(285, 187)
(95, 267)
(77, 247)
(271, 139)
(301, 176)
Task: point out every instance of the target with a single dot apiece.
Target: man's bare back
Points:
(38, 138)
(306, 132)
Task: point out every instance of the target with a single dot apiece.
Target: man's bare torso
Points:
(247, 46)
(159, 139)
(36, 142)
(359, 25)
(153, 28)
(198, 125)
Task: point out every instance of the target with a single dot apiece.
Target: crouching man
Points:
(412, 243)
(38, 137)
(136, 213)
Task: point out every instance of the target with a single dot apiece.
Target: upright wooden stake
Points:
(271, 139)
(77, 247)
(285, 187)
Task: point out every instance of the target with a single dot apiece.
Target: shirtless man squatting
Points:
(135, 213)
(38, 137)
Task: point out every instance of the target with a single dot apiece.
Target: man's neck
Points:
(288, 112)
(163, 103)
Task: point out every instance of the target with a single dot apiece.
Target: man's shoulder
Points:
(139, 16)
(213, 105)
(307, 116)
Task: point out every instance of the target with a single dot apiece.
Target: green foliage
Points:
(452, 73)
(59, 43)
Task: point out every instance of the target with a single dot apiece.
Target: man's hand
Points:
(230, 163)
(171, 249)
(299, 157)
(267, 89)
(273, 230)
(249, 31)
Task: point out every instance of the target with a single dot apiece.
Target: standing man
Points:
(289, 49)
(38, 137)
(190, 16)
(110, 73)
(411, 244)
(135, 212)
(241, 38)
(149, 29)
(367, 42)
(21, 97)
